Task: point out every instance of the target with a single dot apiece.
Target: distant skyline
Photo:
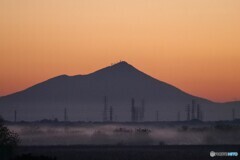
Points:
(193, 45)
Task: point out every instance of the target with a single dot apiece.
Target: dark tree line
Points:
(8, 141)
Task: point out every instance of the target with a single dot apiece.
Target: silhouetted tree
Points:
(8, 141)
(7, 137)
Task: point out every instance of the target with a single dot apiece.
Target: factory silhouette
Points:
(193, 112)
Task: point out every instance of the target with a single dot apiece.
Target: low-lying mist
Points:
(123, 134)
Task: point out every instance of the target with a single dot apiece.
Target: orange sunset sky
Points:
(191, 44)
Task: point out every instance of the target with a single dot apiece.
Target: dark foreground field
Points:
(168, 152)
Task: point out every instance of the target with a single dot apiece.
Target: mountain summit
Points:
(83, 97)
(121, 67)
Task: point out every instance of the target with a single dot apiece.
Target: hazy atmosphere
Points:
(119, 79)
(193, 45)
(126, 134)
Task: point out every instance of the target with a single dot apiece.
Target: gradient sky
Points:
(191, 44)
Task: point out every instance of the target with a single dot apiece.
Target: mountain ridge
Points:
(83, 93)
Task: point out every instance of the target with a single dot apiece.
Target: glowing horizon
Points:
(192, 45)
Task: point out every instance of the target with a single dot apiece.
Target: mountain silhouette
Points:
(83, 98)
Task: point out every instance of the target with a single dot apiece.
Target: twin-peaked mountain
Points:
(83, 98)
